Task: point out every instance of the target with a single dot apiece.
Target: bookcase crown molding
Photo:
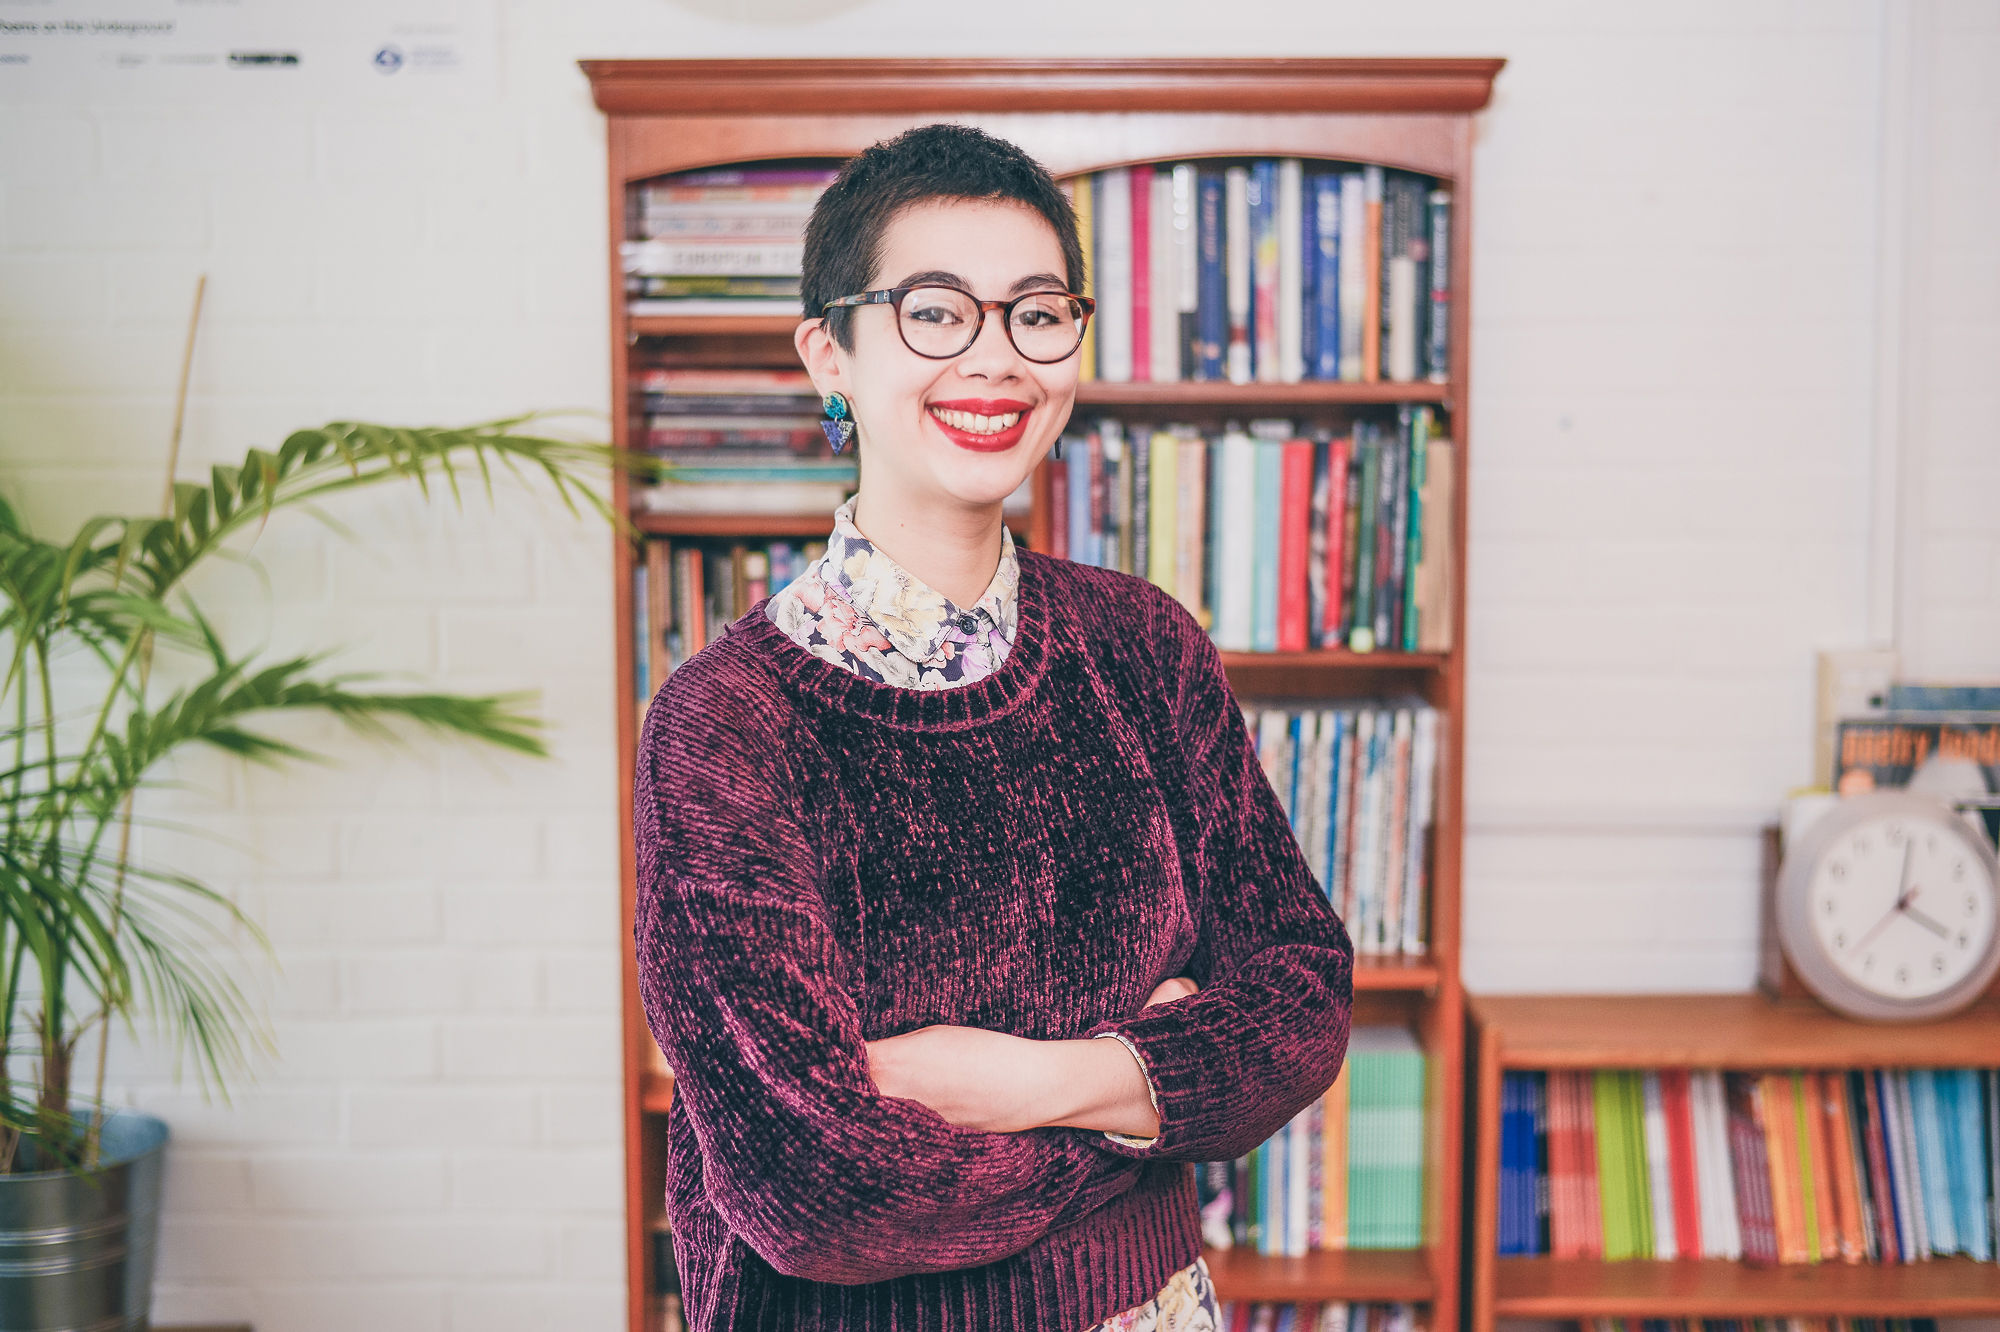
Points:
(817, 87)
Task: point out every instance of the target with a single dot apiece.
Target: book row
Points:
(1314, 1316)
(1347, 1172)
(1794, 1324)
(1267, 270)
(1769, 1167)
(725, 240)
(1359, 782)
(737, 414)
(1275, 539)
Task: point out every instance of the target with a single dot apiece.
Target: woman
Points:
(919, 829)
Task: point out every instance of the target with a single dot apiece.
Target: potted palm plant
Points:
(88, 936)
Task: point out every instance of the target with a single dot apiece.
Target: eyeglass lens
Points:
(941, 321)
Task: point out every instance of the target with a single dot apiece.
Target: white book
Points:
(1236, 270)
(1292, 270)
(1320, 854)
(1659, 1172)
(1305, 804)
(1913, 1238)
(1722, 1236)
(1353, 272)
(1400, 354)
(1187, 255)
(1343, 820)
(1367, 831)
(1395, 829)
(1236, 538)
(1272, 742)
(1190, 521)
(1298, 1185)
(1423, 802)
(1112, 227)
(1163, 314)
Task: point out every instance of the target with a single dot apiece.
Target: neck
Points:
(954, 548)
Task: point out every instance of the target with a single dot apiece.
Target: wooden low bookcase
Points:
(1080, 116)
(1701, 1031)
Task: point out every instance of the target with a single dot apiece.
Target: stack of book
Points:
(1359, 782)
(1272, 270)
(1314, 1316)
(1345, 1173)
(684, 592)
(1276, 540)
(736, 441)
(1857, 1166)
(664, 1308)
(724, 241)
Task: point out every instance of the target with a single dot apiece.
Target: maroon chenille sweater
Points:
(825, 860)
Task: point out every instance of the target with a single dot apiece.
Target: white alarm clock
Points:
(1888, 908)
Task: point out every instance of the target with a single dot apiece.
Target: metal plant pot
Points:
(76, 1248)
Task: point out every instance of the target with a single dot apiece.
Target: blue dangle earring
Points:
(839, 425)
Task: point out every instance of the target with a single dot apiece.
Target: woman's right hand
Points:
(1173, 987)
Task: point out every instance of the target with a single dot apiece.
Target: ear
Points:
(821, 356)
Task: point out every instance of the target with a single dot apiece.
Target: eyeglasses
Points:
(942, 322)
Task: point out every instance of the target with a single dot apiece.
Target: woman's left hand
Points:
(974, 1078)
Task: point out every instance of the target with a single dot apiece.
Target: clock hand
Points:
(1903, 896)
(1894, 912)
(1922, 919)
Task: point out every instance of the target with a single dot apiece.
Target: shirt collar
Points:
(914, 616)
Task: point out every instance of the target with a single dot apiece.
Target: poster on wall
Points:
(152, 48)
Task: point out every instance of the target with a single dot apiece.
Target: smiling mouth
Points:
(974, 424)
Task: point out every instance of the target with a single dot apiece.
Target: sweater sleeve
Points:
(750, 996)
(1267, 1032)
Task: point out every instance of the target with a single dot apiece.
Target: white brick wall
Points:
(1678, 355)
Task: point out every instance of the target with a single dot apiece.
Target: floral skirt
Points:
(1185, 1304)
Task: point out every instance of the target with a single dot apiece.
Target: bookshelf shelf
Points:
(1268, 398)
(1082, 116)
(1701, 1031)
(1566, 1288)
(1357, 1274)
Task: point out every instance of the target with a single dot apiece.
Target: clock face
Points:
(1890, 908)
(1902, 907)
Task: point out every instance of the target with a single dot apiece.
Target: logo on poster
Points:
(389, 59)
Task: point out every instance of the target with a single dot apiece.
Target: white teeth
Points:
(978, 425)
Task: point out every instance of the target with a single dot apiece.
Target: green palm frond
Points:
(78, 916)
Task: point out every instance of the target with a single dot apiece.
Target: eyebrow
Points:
(953, 279)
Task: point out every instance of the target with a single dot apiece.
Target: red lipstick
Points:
(996, 442)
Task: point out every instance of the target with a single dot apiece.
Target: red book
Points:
(1294, 542)
(1059, 508)
(1679, 1110)
(1751, 1165)
(1142, 273)
(1888, 1241)
(1336, 533)
(1592, 1230)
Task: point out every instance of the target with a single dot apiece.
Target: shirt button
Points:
(967, 622)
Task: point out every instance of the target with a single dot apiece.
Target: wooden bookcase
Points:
(1726, 1031)
(1078, 116)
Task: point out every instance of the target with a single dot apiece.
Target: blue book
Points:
(1323, 290)
(1932, 1171)
(1076, 457)
(1264, 569)
(1308, 271)
(1300, 767)
(1510, 1163)
(1211, 298)
(1970, 1168)
(1343, 731)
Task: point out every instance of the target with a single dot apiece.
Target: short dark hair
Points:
(843, 241)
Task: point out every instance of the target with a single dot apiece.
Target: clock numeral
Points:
(1828, 905)
(1894, 833)
(1840, 939)
(1937, 963)
(1957, 871)
(1868, 962)
(1902, 975)
(1837, 870)
(1861, 844)
(1964, 939)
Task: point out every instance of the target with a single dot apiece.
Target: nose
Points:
(992, 351)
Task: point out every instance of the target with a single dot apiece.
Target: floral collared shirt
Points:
(859, 609)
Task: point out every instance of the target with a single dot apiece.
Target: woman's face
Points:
(994, 249)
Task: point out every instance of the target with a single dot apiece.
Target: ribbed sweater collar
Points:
(835, 686)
